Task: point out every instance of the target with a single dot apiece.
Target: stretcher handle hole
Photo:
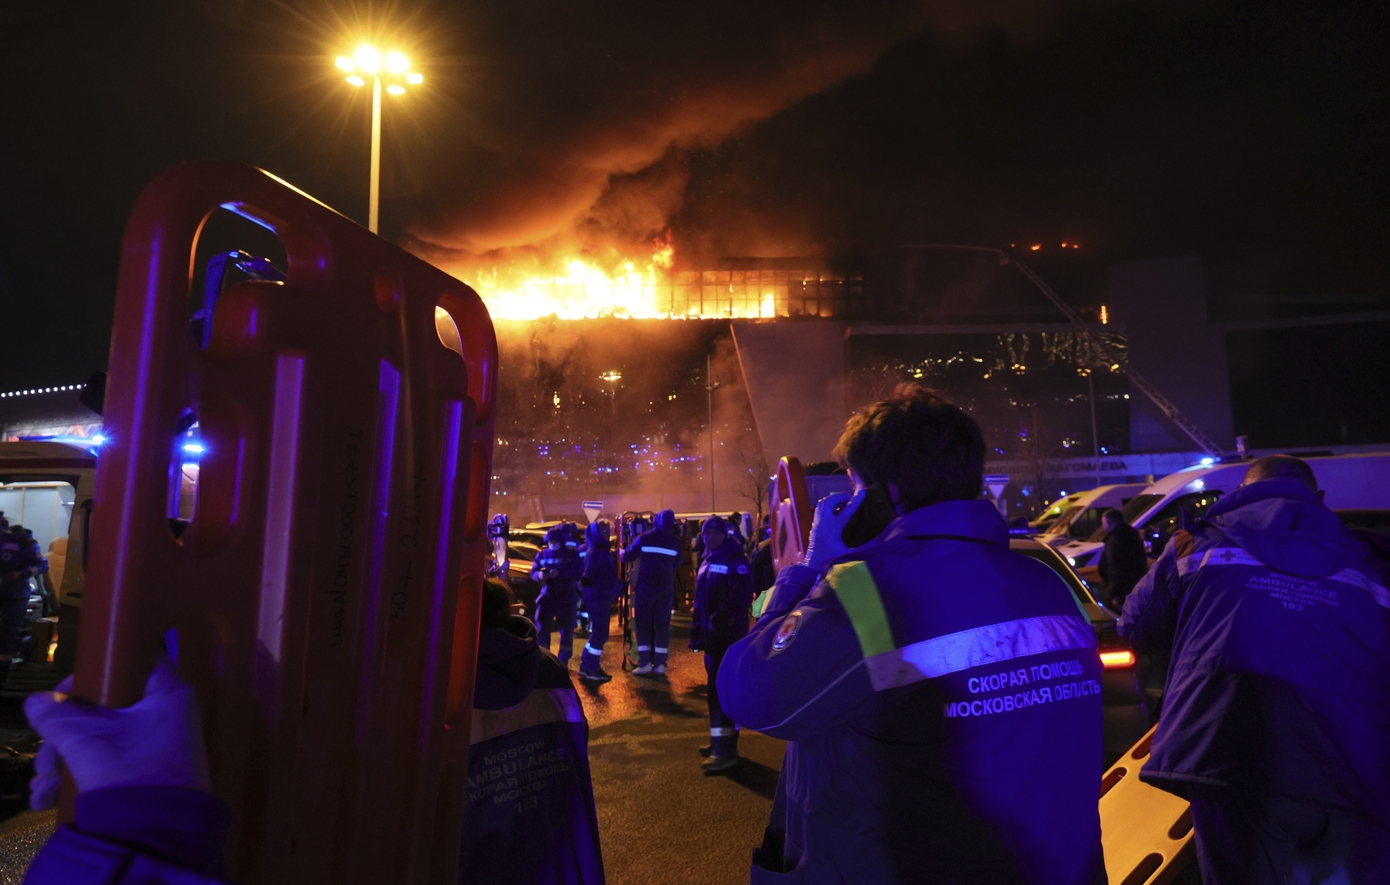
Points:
(1112, 777)
(1141, 749)
(1144, 870)
(185, 466)
(1183, 826)
(447, 330)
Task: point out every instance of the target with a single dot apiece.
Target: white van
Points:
(1081, 517)
(47, 487)
(1350, 482)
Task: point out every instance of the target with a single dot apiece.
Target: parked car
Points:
(1126, 715)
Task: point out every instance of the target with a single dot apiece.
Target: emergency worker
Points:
(723, 594)
(527, 713)
(1276, 714)
(941, 694)
(600, 587)
(558, 569)
(656, 554)
(20, 560)
(1123, 561)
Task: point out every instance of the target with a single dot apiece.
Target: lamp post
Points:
(710, 387)
(394, 67)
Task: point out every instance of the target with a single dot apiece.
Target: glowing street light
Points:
(368, 62)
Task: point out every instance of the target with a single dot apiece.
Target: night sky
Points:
(1253, 134)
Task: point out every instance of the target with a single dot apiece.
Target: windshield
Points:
(1165, 522)
(1136, 507)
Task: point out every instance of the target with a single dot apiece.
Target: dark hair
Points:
(1285, 467)
(497, 604)
(1114, 514)
(927, 447)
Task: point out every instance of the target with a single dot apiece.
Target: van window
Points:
(1165, 522)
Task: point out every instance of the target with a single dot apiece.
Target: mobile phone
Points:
(873, 516)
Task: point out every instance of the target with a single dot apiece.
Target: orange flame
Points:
(644, 288)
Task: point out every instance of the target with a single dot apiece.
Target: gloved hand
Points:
(156, 742)
(826, 545)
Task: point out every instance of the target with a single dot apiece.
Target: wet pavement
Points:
(661, 818)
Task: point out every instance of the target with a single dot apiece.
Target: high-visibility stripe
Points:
(644, 648)
(591, 650)
(978, 647)
(1357, 579)
(722, 732)
(665, 551)
(1217, 556)
(659, 650)
(855, 588)
(718, 569)
(541, 706)
(1237, 556)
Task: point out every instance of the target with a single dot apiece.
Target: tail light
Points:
(1114, 659)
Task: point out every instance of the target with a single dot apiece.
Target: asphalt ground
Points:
(661, 818)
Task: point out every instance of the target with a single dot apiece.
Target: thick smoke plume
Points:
(585, 116)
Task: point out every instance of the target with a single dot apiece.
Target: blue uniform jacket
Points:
(942, 699)
(600, 582)
(1279, 624)
(559, 572)
(657, 553)
(529, 814)
(723, 595)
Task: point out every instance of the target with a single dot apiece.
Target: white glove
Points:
(826, 545)
(155, 742)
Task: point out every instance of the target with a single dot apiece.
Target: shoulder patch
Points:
(787, 631)
(743, 570)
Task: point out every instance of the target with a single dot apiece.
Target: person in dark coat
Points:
(529, 814)
(656, 554)
(723, 594)
(1123, 561)
(934, 735)
(20, 560)
(558, 569)
(1276, 721)
(600, 586)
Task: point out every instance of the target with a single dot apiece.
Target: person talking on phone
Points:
(941, 694)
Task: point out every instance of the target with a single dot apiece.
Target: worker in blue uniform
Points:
(940, 693)
(558, 570)
(600, 586)
(656, 553)
(1276, 713)
(723, 595)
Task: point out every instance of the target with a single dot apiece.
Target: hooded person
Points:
(657, 553)
(723, 595)
(558, 569)
(600, 586)
(1276, 713)
(529, 810)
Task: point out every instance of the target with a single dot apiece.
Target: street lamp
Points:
(612, 377)
(394, 68)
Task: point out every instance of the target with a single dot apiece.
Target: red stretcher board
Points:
(792, 512)
(325, 592)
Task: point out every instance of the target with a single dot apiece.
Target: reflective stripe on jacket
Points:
(657, 554)
(1278, 622)
(942, 696)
